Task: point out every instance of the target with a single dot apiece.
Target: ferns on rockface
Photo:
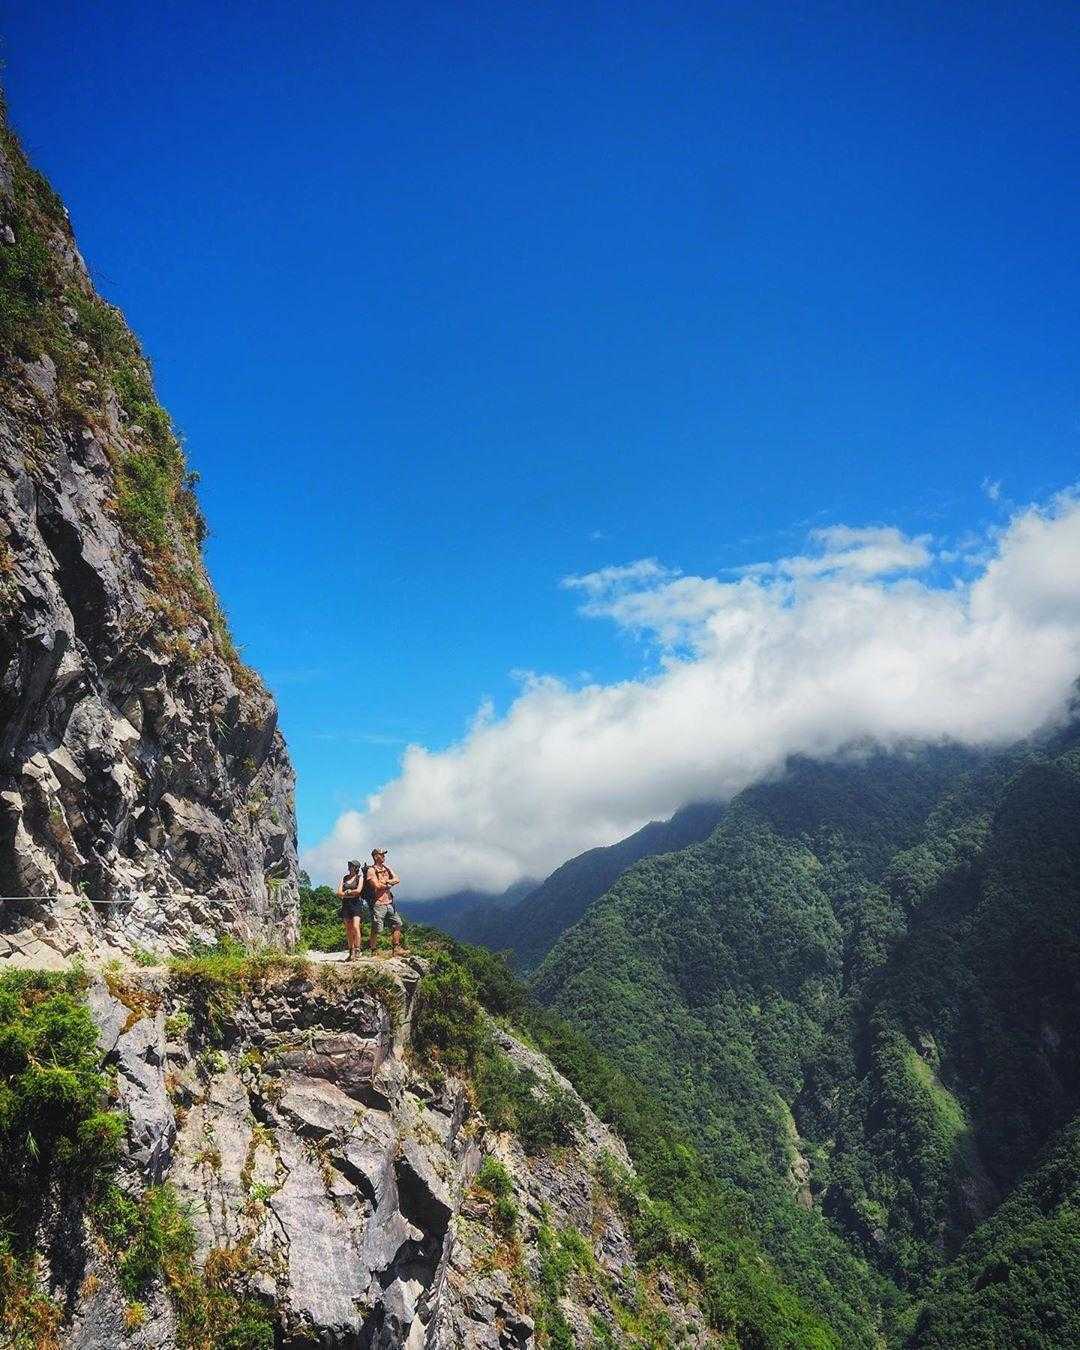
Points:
(52, 1088)
(56, 1135)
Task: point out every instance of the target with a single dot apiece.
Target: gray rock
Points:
(365, 1157)
(315, 1109)
(158, 767)
(425, 1192)
(139, 1056)
(65, 769)
(133, 1042)
(42, 375)
(109, 1014)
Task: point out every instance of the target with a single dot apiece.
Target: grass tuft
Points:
(31, 1320)
(493, 1182)
(152, 1240)
(216, 978)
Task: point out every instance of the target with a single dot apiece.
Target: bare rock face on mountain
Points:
(143, 779)
(339, 1185)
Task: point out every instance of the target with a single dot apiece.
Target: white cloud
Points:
(666, 604)
(609, 579)
(805, 655)
(992, 488)
(878, 550)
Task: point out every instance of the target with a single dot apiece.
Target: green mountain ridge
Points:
(861, 986)
(527, 919)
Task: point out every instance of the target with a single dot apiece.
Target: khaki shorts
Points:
(380, 914)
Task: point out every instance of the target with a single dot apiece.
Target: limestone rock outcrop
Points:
(146, 797)
(334, 1175)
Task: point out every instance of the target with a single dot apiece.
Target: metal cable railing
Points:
(41, 899)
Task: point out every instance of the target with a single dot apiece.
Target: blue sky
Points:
(451, 301)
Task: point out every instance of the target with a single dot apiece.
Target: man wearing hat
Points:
(378, 881)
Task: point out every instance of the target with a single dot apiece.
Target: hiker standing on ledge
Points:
(350, 893)
(378, 880)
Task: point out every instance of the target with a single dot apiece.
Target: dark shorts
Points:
(353, 907)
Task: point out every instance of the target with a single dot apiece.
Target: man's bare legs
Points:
(378, 922)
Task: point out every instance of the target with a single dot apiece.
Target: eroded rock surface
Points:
(337, 1179)
(143, 779)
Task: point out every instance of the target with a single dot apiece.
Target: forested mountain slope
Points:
(860, 995)
(471, 916)
(526, 925)
(1016, 1280)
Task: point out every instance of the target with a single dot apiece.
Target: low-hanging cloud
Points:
(852, 640)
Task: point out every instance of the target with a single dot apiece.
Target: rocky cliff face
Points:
(333, 1180)
(143, 780)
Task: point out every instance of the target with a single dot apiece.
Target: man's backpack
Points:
(368, 889)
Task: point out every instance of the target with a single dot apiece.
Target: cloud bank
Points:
(868, 634)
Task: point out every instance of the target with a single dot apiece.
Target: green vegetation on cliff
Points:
(50, 312)
(52, 1089)
(862, 987)
(681, 1213)
(48, 308)
(58, 1147)
(57, 1139)
(152, 1240)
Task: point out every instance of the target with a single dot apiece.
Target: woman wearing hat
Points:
(351, 894)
